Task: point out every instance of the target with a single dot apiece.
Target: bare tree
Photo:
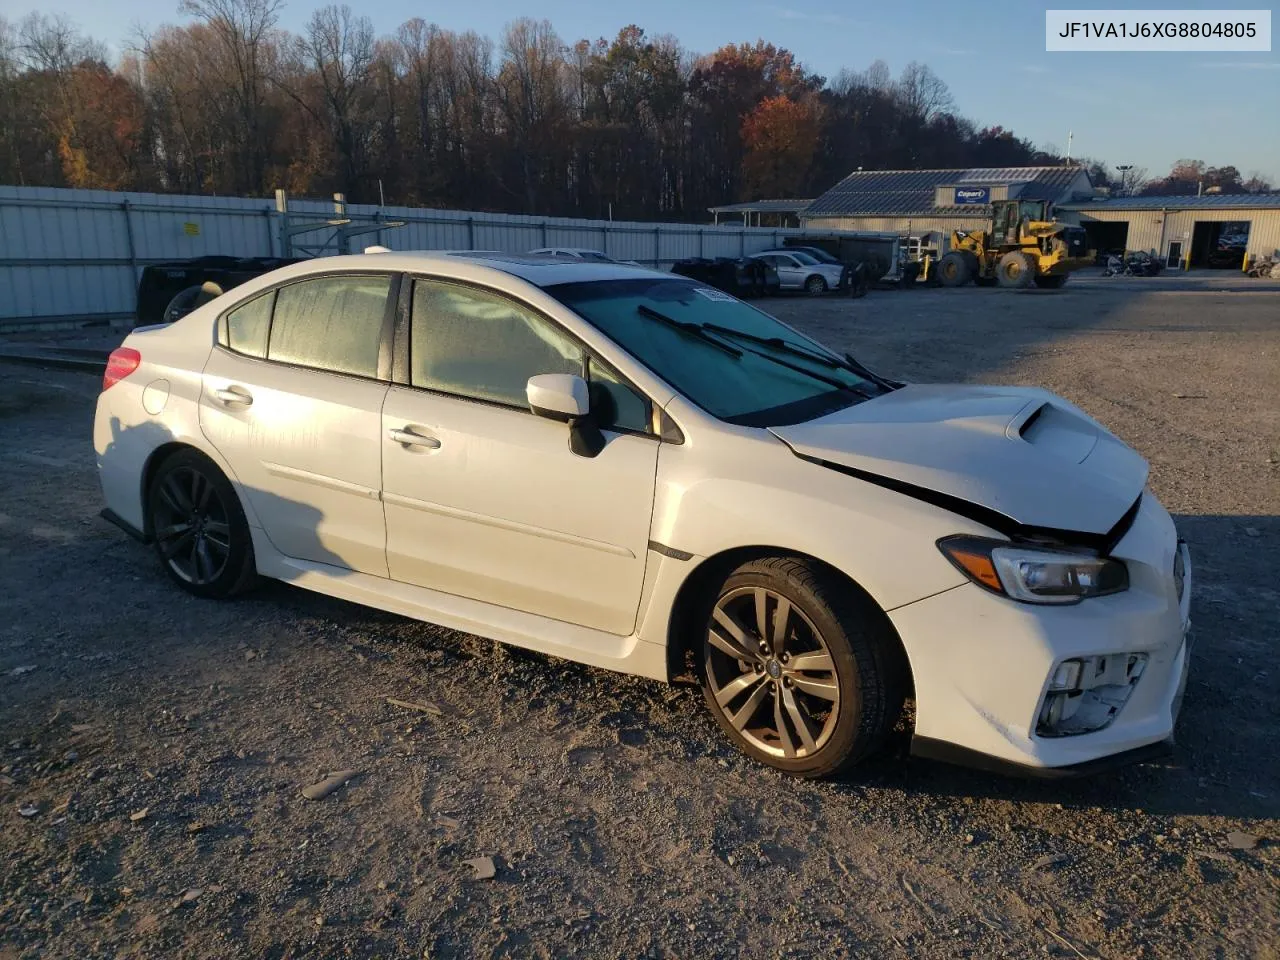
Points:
(533, 96)
(10, 138)
(54, 44)
(1257, 183)
(338, 49)
(921, 93)
(242, 34)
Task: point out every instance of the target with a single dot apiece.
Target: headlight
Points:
(1035, 574)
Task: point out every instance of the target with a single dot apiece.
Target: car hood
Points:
(1026, 455)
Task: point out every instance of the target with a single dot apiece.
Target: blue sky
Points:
(1148, 109)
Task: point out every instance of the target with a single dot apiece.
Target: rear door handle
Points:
(409, 438)
(233, 396)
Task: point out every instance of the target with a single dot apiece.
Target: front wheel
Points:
(815, 286)
(802, 673)
(1015, 270)
(199, 528)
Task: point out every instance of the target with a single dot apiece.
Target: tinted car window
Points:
(331, 323)
(247, 326)
(479, 344)
(615, 403)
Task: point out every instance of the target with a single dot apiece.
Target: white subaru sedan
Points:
(634, 470)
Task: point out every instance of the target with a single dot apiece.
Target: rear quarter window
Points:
(245, 328)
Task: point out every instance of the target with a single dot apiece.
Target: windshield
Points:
(803, 257)
(593, 256)
(752, 384)
(821, 255)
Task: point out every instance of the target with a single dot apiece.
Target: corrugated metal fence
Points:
(68, 255)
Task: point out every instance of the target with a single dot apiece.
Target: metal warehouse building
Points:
(925, 201)
(1185, 232)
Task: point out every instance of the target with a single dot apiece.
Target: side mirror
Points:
(564, 397)
(558, 396)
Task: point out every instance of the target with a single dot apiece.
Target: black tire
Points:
(212, 556)
(850, 633)
(1053, 282)
(953, 270)
(1015, 270)
(815, 286)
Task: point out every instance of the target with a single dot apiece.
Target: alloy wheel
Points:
(771, 673)
(191, 526)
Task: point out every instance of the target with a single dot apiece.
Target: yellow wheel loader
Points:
(1025, 246)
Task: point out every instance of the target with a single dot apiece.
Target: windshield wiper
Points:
(778, 343)
(689, 329)
(699, 332)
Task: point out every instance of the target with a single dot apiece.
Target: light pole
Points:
(1124, 169)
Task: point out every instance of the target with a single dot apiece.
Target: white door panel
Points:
(790, 273)
(501, 510)
(306, 448)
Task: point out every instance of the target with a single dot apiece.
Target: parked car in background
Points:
(822, 256)
(168, 291)
(637, 471)
(579, 253)
(741, 276)
(798, 270)
(1228, 253)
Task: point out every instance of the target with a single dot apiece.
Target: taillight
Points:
(122, 362)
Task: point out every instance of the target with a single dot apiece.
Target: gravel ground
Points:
(154, 745)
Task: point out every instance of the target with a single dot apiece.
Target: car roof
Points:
(541, 271)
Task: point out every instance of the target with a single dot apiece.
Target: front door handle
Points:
(409, 438)
(233, 396)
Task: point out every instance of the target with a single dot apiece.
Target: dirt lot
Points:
(159, 743)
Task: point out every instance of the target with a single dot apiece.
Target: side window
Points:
(615, 403)
(331, 323)
(482, 345)
(247, 326)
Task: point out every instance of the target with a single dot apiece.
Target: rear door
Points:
(484, 499)
(292, 398)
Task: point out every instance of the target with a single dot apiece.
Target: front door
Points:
(292, 398)
(484, 499)
(1174, 262)
(790, 273)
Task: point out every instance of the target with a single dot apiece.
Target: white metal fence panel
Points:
(78, 254)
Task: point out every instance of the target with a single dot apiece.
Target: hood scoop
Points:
(1023, 457)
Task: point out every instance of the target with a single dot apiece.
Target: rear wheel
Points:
(1015, 270)
(199, 528)
(953, 270)
(1052, 283)
(801, 672)
(815, 286)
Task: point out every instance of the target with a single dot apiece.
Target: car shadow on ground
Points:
(1223, 762)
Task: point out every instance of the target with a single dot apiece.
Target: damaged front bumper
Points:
(984, 667)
